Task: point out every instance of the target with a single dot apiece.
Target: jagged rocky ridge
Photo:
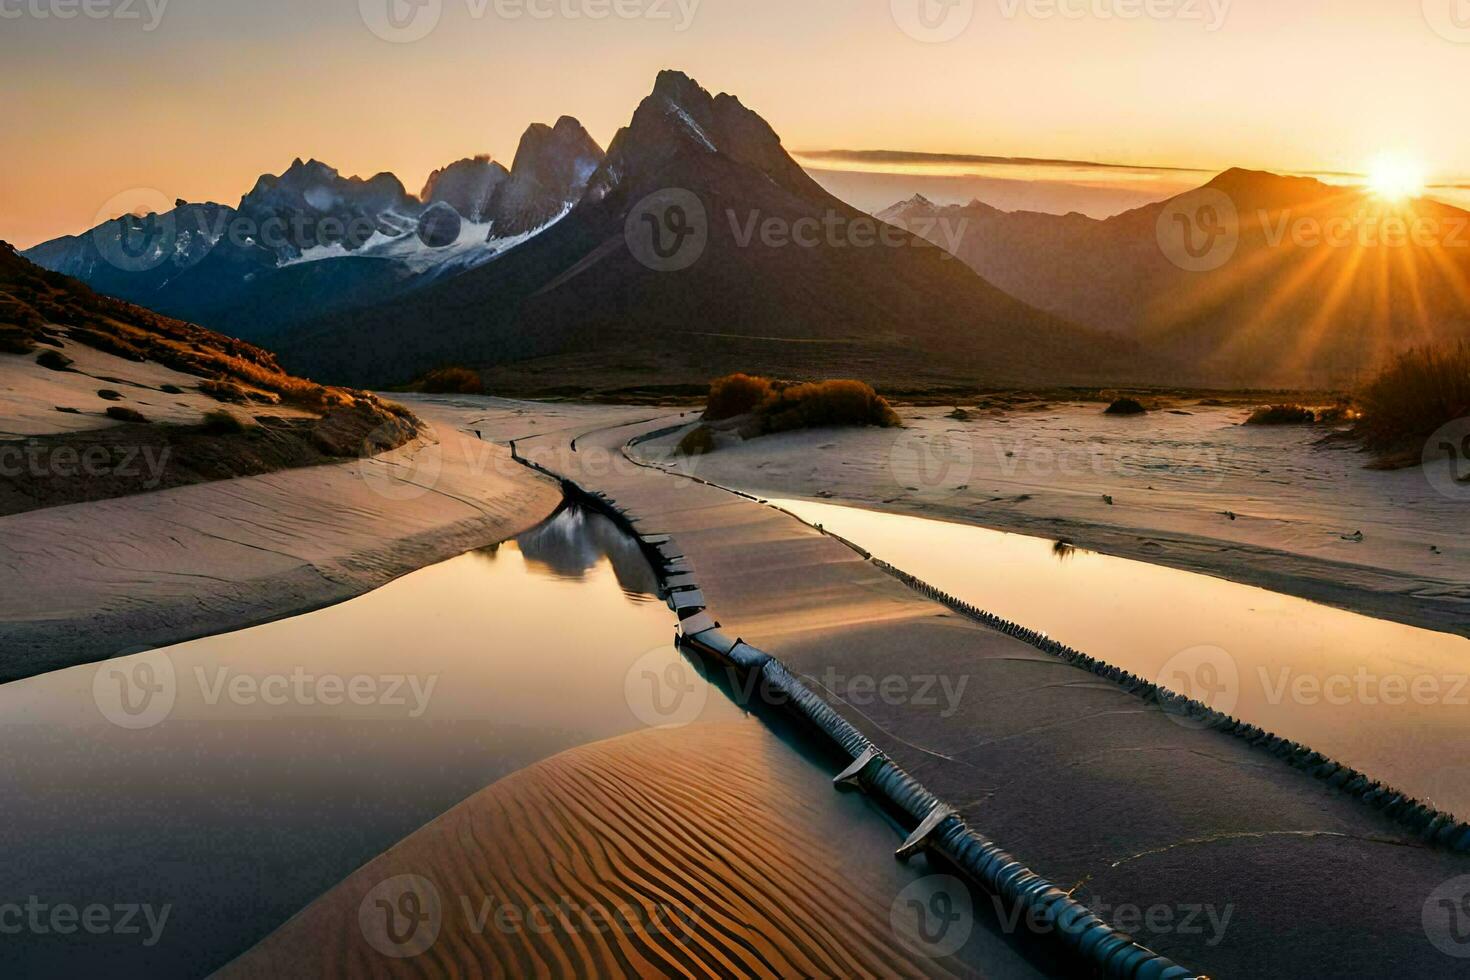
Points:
(281, 253)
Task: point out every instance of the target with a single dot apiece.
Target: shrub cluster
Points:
(1126, 406)
(452, 380)
(121, 413)
(736, 394)
(1420, 391)
(1282, 415)
(781, 407)
(826, 403)
(221, 422)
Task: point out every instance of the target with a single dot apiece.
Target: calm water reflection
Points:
(258, 768)
(1390, 700)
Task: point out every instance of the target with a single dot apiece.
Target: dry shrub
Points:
(14, 340)
(108, 344)
(220, 422)
(1126, 406)
(124, 414)
(736, 394)
(223, 391)
(1420, 391)
(1282, 415)
(826, 403)
(453, 380)
(53, 360)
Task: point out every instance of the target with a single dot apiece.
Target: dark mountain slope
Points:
(1321, 285)
(855, 297)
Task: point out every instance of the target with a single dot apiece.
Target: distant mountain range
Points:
(309, 241)
(1254, 279)
(696, 245)
(701, 247)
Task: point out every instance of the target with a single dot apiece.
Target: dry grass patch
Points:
(1417, 394)
(453, 380)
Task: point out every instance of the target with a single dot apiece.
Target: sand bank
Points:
(669, 852)
(85, 582)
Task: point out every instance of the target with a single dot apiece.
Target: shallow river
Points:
(232, 780)
(1390, 700)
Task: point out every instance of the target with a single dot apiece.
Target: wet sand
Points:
(703, 851)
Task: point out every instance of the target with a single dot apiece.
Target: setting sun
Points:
(1396, 178)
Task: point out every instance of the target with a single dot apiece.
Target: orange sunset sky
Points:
(196, 98)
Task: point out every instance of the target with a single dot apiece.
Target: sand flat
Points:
(670, 852)
(1175, 482)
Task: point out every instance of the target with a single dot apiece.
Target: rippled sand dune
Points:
(676, 852)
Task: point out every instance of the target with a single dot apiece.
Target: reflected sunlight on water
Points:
(1390, 700)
